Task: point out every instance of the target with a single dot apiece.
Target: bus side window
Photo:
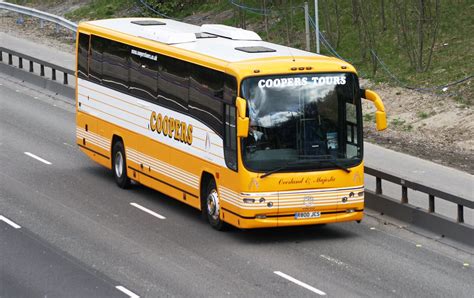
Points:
(83, 56)
(144, 75)
(230, 140)
(115, 65)
(205, 97)
(173, 83)
(230, 133)
(95, 59)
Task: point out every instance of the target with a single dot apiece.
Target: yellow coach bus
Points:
(252, 133)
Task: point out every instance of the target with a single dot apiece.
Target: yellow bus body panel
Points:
(338, 195)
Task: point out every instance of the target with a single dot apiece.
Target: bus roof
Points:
(221, 42)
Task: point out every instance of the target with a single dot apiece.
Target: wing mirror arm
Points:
(243, 121)
(380, 115)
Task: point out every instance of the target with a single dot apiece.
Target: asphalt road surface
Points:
(402, 165)
(66, 229)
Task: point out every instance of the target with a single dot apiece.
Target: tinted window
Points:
(95, 59)
(144, 74)
(173, 83)
(82, 56)
(115, 65)
(230, 138)
(206, 93)
(230, 89)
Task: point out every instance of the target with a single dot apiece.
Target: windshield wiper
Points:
(330, 159)
(278, 169)
(337, 164)
(303, 161)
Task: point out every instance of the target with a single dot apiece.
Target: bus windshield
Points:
(302, 122)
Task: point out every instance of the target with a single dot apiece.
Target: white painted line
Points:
(300, 283)
(127, 291)
(9, 222)
(38, 158)
(333, 260)
(148, 211)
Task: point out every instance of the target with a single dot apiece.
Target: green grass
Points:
(397, 122)
(423, 115)
(100, 9)
(452, 59)
(33, 2)
(369, 117)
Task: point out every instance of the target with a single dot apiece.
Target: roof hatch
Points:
(147, 23)
(230, 32)
(255, 49)
(205, 35)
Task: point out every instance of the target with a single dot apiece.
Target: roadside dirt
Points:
(429, 126)
(432, 127)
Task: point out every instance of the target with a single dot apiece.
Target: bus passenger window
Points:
(95, 59)
(83, 56)
(173, 83)
(206, 91)
(115, 65)
(144, 74)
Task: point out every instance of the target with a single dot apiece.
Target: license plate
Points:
(303, 215)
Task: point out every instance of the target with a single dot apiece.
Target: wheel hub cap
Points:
(213, 205)
(118, 164)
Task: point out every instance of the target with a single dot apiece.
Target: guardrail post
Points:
(41, 24)
(10, 59)
(65, 79)
(20, 62)
(404, 195)
(1, 56)
(31, 66)
(42, 70)
(378, 185)
(460, 213)
(431, 204)
(53, 75)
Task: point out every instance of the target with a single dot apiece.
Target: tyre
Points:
(119, 165)
(212, 207)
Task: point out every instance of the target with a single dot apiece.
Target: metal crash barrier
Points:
(425, 219)
(398, 208)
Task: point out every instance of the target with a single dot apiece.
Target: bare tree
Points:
(368, 29)
(331, 17)
(418, 24)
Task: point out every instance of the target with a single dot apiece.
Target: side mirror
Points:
(243, 122)
(380, 115)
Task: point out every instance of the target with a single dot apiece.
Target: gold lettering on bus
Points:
(153, 121)
(172, 128)
(308, 180)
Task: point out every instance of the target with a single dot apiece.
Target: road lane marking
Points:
(147, 211)
(127, 291)
(38, 158)
(300, 283)
(333, 260)
(9, 222)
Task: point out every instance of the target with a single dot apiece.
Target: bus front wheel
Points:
(213, 209)
(119, 165)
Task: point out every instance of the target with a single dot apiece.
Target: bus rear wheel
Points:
(119, 165)
(212, 207)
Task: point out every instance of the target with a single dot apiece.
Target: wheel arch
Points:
(206, 177)
(115, 138)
